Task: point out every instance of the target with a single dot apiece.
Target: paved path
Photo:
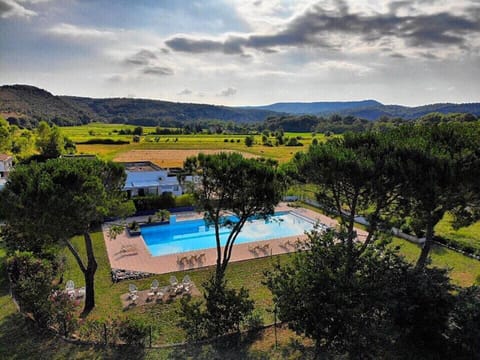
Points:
(130, 252)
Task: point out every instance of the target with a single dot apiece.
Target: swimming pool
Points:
(194, 235)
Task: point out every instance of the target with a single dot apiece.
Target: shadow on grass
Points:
(21, 339)
(236, 346)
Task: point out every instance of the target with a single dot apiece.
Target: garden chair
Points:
(81, 293)
(154, 287)
(187, 283)
(70, 288)
(174, 285)
(132, 289)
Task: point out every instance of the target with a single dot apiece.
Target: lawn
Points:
(164, 317)
(469, 235)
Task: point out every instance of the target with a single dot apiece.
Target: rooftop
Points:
(141, 166)
(4, 157)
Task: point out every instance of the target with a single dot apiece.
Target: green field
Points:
(179, 142)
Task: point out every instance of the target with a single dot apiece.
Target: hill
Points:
(26, 105)
(317, 107)
(370, 109)
(150, 112)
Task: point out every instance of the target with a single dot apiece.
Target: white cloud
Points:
(11, 8)
(77, 32)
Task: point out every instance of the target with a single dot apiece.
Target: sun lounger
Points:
(128, 249)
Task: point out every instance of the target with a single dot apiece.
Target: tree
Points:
(354, 174)
(53, 201)
(441, 166)
(138, 131)
(50, 141)
(249, 140)
(5, 136)
(244, 187)
(464, 330)
(383, 305)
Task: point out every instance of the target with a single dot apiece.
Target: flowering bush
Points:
(63, 312)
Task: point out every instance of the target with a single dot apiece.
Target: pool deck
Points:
(130, 252)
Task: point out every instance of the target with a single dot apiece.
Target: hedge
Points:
(164, 201)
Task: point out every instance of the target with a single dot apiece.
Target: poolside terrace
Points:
(131, 253)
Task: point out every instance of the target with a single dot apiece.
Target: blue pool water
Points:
(194, 235)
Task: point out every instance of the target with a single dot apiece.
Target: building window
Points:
(175, 188)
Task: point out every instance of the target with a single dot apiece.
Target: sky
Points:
(245, 52)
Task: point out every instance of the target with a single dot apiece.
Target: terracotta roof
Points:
(4, 157)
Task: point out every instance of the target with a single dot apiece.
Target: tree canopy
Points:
(51, 202)
(243, 187)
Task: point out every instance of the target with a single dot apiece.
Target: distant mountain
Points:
(316, 107)
(408, 113)
(369, 109)
(27, 105)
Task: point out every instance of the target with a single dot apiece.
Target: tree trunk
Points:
(89, 275)
(426, 246)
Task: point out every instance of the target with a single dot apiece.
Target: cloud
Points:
(143, 57)
(158, 70)
(77, 32)
(185, 92)
(228, 92)
(317, 27)
(12, 8)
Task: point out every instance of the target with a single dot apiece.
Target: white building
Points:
(6, 165)
(145, 178)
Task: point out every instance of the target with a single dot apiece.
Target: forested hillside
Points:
(27, 105)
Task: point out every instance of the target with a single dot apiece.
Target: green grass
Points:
(469, 235)
(248, 274)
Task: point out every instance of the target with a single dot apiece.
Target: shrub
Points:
(63, 313)
(92, 330)
(184, 200)
(133, 332)
(104, 141)
(162, 215)
(154, 202)
(31, 283)
(225, 310)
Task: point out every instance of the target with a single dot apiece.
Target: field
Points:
(151, 141)
(166, 158)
